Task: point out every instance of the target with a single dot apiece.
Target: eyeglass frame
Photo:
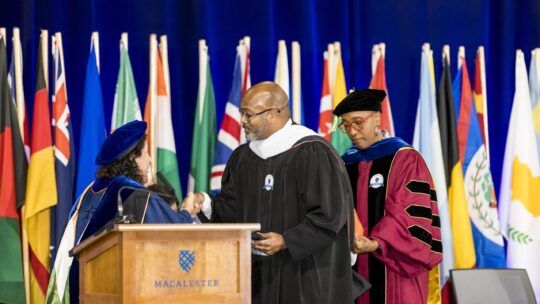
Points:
(250, 116)
(359, 120)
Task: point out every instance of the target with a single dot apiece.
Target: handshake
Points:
(193, 203)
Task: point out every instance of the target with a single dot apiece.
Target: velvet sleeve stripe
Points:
(436, 221)
(433, 195)
(425, 237)
(420, 212)
(419, 187)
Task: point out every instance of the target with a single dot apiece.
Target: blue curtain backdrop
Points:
(500, 26)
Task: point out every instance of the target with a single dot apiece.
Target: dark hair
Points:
(164, 194)
(126, 166)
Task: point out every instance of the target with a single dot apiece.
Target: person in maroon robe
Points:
(395, 201)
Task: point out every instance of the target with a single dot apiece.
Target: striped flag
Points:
(480, 96)
(230, 134)
(93, 130)
(325, 110)
(340, 140)
(297, 108)
(12, 167)
(126, 103)
(520, 184)
(41, 183)
(204, 129)
(464, 255)
(164, 149)
(64, 150)
(281, 73)
(378, 81)
(427, 141)
(534, 87)
(480, 194)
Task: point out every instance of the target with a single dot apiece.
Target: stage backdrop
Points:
(500, 26)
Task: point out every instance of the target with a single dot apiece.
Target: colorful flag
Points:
(93, 130)
(325, 110)
(12, 167)
(464, 252)
(204, 129)
(41, 183)
(64, 149)
(281, 73)
(297, 108)
(479, 191)
(378, 81)
(230, 134)
(534, 87)
(480, 96)
(340, 140)
(166, 146)
(520, 184)
(126, 103)
(427, 140)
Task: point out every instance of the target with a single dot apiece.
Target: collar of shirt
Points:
(281, 141)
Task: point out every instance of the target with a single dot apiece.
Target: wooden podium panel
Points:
(184, 263)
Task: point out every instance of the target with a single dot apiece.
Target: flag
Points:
(340, 141)
(13, 173)
(534, 87)
(204, 129)
(297, 108)
(480, 96)
(93, 130)
(325, 110)
(479, 191)
(41, 183)
(126, 103)
(427, 141)
(21, 175)
(281, 73)
(64, 149)
(378, 81)
(230, 133)
(464, 253)
(165, 152)
(520, 184)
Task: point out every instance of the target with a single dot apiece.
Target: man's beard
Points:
(255, 134)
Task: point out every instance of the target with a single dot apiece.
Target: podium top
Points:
(119, 228)
(186, 227)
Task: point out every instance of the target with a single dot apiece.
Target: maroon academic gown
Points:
(396, 202)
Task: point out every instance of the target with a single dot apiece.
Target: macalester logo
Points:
(186, 260)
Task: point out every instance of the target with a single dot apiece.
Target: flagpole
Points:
(124, 41)
(296, 84)
(153, 97)
(484, 97)
(95, 43)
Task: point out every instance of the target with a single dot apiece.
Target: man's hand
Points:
(364, 245)
(271, 243)
(191, 204)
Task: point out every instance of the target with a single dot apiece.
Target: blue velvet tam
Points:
(122, 141)
(361, 100)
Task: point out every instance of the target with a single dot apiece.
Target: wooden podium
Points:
(167, 263)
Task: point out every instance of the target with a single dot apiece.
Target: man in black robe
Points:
(294, 183)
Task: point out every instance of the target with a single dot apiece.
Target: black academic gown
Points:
(305, 195)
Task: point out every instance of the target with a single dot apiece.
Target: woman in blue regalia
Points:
(124, 167)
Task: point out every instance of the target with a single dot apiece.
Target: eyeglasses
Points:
(357, 124)
(250, 116)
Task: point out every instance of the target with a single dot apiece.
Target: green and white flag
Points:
(126, 104)
(204, 129)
